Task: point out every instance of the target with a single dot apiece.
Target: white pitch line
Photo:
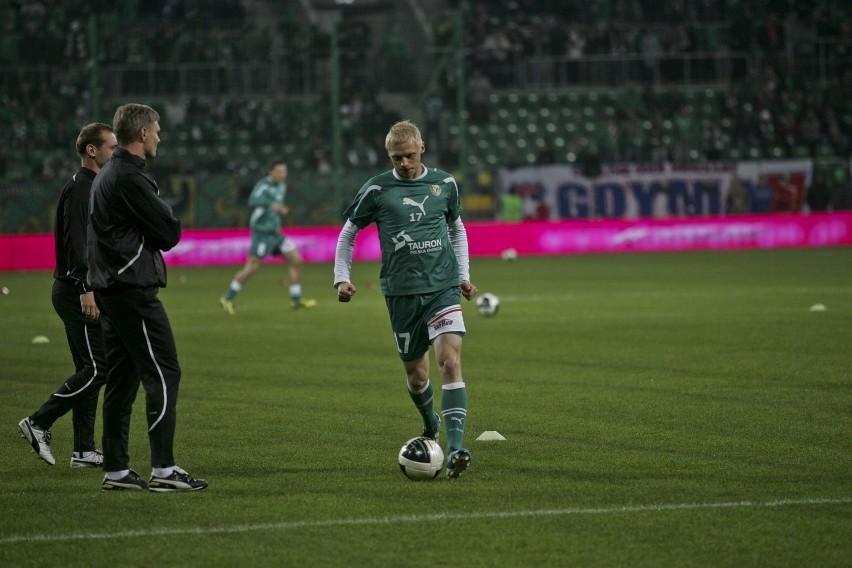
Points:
(146, 533)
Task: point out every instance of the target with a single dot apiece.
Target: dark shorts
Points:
(416, 320)
(264, 244)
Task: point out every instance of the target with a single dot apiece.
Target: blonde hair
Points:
(402, 132)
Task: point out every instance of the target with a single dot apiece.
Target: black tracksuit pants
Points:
(79, 393)
(139, 347)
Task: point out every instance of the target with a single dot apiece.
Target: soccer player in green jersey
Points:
(267, 205)
(425, 271)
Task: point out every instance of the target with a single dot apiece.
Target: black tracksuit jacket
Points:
(70, 230)
(129, 224)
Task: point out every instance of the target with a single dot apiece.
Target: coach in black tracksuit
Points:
(75, 304)
(129, 225)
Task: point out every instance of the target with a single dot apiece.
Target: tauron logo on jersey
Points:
(421, 205)
(436, 190)
(402, 240)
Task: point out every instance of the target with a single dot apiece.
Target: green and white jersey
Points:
(263, 195)
(412, 217)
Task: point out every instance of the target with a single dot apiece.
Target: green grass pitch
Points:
(659, 410)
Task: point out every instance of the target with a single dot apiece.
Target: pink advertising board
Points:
(215, 247)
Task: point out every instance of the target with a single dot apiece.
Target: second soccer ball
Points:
(488, 304)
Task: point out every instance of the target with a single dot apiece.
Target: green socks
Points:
(423, 401)
(454, 411)
(233, 290)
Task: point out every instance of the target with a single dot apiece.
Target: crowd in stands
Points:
(774, 102)
(498, 32)
(45, 64)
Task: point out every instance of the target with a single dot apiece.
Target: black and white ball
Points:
(488, 304)
(421, 459)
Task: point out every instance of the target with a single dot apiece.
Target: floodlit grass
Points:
(659, 409)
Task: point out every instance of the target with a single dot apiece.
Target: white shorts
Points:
(448, 320)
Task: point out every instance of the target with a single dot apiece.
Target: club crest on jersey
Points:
(436, 190)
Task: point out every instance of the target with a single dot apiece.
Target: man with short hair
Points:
(425, 271)
(129, 226)
(267, 209)
(74, 303)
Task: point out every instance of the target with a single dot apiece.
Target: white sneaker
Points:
(39, 439)
(93, 459)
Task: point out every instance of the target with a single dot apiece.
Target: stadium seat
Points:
(801, 151)
(566, 113)
(824, 151)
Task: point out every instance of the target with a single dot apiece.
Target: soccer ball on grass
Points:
(421, 459)
(488, 304)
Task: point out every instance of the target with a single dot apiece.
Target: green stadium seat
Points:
(267, 151)
(801, 151)
(532, 100)
(825, 151)
(777, 152)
